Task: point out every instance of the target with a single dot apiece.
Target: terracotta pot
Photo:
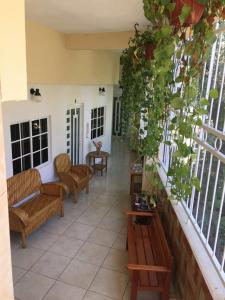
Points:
(194, 16)
(149, 51)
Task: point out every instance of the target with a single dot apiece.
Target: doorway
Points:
(116, 130)
(74, 141)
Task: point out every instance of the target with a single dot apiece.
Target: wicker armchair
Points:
(43, 201)
(75, 177)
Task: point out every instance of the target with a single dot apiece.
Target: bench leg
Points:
(134, 285)
(23, 240)
(166, 292)
(165, 295)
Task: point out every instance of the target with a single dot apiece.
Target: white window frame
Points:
(101, 126)
(48, 132)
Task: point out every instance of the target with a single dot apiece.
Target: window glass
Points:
(29, 144)
(97, 122)
(25, 130)
(15, 132)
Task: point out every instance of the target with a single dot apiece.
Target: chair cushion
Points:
(39, 204)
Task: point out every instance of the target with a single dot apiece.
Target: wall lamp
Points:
(35, 95)
(101, 91)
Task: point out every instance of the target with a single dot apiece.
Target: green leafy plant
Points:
(164, 92)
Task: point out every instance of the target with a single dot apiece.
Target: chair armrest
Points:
(140, 213)
(52, 189)
(68, 180)
(83, 168)
(136, 267)
(21, 214)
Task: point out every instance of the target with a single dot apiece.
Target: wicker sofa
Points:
(76, 177)
(43, 201)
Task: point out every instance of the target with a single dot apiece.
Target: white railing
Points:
(206, 208)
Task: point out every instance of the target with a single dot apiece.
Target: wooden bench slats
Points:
(141, 256)
(148, 254)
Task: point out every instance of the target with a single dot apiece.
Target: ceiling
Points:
(86, 15)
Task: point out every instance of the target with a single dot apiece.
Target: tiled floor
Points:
(81, 256)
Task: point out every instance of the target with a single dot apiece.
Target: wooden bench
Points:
(150, 261)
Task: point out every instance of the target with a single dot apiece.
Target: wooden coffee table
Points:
(98, 166)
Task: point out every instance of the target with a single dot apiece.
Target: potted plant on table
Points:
(98, 146)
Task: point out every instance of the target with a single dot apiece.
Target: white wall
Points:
(56, 100)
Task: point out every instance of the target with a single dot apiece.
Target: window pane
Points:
(36, 143)
(26, 162)
(95, 113)
(25, 145)
(44, 125)
(25, 130)
(102, 111)
(16, 166)
(44, 141)
(92, 113)
(99, 132)
(35, 127)
(15, 132)
(99, 111)
(102, 121)
(94, 123)
(99, 122)
(16, 150)
(94, 134)
(44, 154)
(36, 159)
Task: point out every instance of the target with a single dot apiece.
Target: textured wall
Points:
(188, 280)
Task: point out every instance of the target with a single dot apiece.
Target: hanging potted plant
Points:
(192, 9)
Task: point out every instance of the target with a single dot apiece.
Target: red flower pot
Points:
(149, 51)
(194, 16)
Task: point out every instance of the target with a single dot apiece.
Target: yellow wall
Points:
(50, 62)
(98, 41)
(13, 74)
(47, 58)
(6, 284)
(94, 67)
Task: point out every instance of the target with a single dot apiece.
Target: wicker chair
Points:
(75, 177)
(43, 201)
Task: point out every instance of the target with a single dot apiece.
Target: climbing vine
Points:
(161, 80)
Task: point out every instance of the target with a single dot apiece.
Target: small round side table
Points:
(99, 166)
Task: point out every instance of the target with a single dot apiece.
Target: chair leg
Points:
(75, 197)
(62, 211)
(23, 240)
(134, 285)
(87, 188)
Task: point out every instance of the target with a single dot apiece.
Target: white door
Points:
(74, 141)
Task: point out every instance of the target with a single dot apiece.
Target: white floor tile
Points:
(66, 246)
(32, 287)
(51, 265)
(92, 253)
(79, 274)
(110, 283)
(62, 291)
